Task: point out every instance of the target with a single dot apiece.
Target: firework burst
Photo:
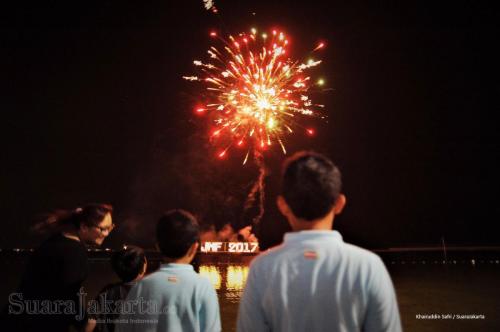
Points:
(256, 93)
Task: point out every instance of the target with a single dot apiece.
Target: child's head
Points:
(129, 263)
(176, 232)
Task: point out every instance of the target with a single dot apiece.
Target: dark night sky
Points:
(94, 109)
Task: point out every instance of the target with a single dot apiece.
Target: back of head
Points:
(90, 215)
(311, 184)
(176, 232)
(128, 263)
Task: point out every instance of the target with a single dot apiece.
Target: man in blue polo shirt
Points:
(314, 281)
(174, 298)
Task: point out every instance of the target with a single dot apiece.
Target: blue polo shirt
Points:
(175, 298)
(314, 281)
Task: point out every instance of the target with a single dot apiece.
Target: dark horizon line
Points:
(382, 250)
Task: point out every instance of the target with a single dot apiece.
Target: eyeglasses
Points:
(105, 229)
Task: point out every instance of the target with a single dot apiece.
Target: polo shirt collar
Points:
(177, 267)
(311, 235)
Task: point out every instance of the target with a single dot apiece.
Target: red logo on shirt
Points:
(172, 279)
(309, 254)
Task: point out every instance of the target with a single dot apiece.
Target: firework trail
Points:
(257, 188)
(255, 96)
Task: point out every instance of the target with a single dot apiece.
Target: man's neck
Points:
(313, 227)
(182, 260)
(322, 224)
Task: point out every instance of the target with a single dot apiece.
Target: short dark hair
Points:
(128, 263)
(311, 183)
(176, 231)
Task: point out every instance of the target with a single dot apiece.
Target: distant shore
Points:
(404, 255)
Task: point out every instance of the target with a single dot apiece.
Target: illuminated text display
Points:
(230, 247)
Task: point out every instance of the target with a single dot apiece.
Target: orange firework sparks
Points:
(257, 94)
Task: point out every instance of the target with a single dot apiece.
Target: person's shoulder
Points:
(58, 240)
(151, 278)
(58, 246)
(150, 282)
(202, 282)
(204, 287)
(357, 250)
(270, 256)
(200, 279)
(63, 243)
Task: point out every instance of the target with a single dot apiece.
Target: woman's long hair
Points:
(58, 220)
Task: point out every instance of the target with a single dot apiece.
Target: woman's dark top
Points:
(55, 272)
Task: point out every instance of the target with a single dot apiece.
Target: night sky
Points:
(94, 109)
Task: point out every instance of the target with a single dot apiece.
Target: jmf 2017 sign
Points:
(231, 247)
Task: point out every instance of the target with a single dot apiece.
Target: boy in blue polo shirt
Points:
(175, 298)
(314, 281)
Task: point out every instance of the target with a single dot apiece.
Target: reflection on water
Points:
(423, 285)
(212, 273)
(228, 280)
(236, 277)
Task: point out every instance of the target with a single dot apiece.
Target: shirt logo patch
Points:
(172, 279)
(309, 254)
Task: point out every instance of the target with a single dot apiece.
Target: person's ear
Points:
(339, 204)
(144, 268)
(193, 249)
(282, 206)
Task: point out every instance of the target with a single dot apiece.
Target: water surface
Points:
(423, 286)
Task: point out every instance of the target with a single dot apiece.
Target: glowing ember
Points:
(256, 94)
(209, 5)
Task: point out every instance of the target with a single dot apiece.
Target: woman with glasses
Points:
(57, 270)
